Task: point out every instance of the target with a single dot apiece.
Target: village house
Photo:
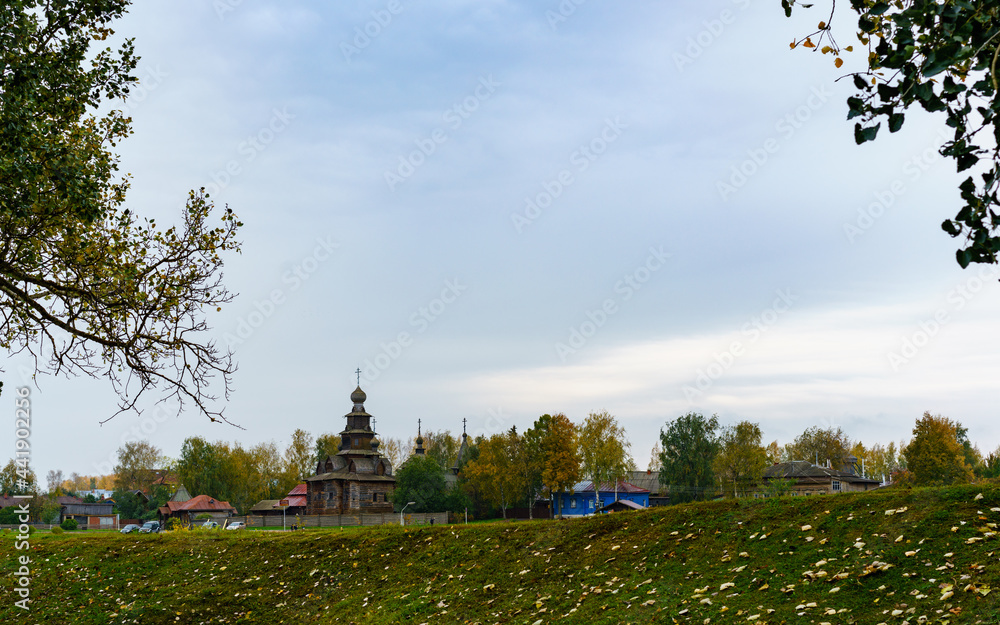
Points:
(87, 515)
(358, 479)
(805, 478)
(187, 509)
(583, 500)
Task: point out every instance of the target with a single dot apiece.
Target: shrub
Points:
(69, 525)
(57, 530)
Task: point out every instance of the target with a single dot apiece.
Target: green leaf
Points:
(895, 122)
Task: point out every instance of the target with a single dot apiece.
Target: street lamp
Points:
(401, 512)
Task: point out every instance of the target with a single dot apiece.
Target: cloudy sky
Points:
(498, 209)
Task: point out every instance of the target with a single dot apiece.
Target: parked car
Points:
(236, 525)
(128, 529)
(210, 525)
(150, 527)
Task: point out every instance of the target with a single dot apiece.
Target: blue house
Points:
(583, 501)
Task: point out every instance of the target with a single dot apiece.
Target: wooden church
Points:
(358, 480)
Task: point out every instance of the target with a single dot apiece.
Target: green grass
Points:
(665, 565)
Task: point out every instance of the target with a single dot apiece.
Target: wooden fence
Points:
(342, 520)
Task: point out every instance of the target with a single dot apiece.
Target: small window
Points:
(572, 503)
(374, 497)
(835, 486)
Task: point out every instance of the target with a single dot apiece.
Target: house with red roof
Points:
(188, 511)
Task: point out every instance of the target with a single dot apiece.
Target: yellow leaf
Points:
(826, 49)
(849, 48)
(822, 25)
(809, 43)
(838, 61)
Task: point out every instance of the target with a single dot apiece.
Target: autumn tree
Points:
(137, 466)
(300, 460)
(741, 459)
(882, 460)
(494, 473)
(942, 57)
(775, 453)
(392, 449)
(86, 285)
(327, 446)
(560, 456)
(204, 468)
(689, 444)
(442, 446)
(604, 449)
(18, 478)
(654, 458)
(53, 481)
(821, 445)
(935, 456)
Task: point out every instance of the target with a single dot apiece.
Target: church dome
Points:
(358, 396)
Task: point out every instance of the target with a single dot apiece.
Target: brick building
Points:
(358, 479)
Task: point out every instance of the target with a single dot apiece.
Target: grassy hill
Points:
(894, 557)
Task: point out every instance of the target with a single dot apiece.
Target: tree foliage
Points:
(495, 473)
(943, 57)
(935, 456)
(742, 459)
(18, 478)
(299, 459)
(421, 480)
(604, 449)
(821, 445)
(556, 440)
(86, 287)
(689, 447)
(137, 466)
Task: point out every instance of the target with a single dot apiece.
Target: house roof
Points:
(805, 471)
(265, 505)
(68, 500)
(181, 495)
(301, 489)
(623, 487)
(623, 503)
(7, 501)
(650, 480)
(204, 502)
(196, 504)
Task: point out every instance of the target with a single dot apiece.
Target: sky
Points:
(498, 209)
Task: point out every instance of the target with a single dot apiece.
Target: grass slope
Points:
(834, 559)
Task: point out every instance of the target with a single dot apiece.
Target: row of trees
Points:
(698, 459)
